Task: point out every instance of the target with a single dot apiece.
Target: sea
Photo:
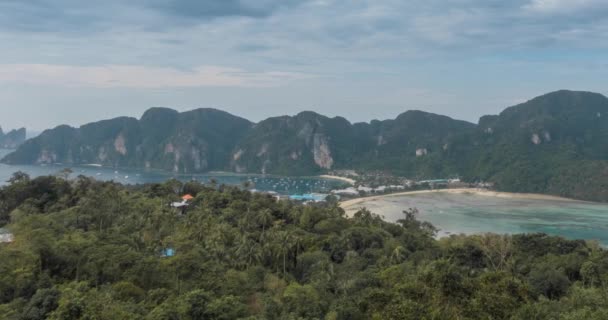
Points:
(475, 214)
(451, 213)
(280, 184)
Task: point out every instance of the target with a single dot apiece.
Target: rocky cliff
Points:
(194, 141)
(556, 143)
(12, 139)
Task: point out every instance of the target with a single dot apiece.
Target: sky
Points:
(73, 61)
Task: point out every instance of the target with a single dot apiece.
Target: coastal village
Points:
(375, 183)
(356, 185)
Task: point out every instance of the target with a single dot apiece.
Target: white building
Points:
(346, 192)
(380, 189)
(365, 189)
(179, 204)
(5, 236)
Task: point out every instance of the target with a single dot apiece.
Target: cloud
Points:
(47, 16)
(76, 16)
(140, 76)
(327, 28)
(222, 8)
(335, 56)
(336, 38)
(565, 6)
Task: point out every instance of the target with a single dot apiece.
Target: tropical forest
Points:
(85, 249)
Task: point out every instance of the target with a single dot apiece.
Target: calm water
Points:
(451, 213)
(283, 185)
(469, 214)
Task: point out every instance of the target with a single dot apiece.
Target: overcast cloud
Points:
(72, 61)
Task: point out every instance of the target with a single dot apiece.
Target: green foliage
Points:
(158, 140)
(93, 250)
(554, 144)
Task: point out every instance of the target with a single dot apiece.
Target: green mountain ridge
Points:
(193, 141)
(556, 143)
(13, 138)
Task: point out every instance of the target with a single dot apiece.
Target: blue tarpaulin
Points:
(169, 252)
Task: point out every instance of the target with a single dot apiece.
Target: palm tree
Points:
(298, 246)
(398, 255)
(271, 249)
(197, 226)
(265, 218)
(249, 252)
(286, 243)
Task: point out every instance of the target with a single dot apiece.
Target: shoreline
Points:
(348, 180)
(472, 191)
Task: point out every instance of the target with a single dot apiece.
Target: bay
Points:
(279, 184)
(475, 214)
(451, 213)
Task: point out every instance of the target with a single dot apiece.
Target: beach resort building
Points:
(313, 197)
(183, 205)
(365, 189)
(346, 192)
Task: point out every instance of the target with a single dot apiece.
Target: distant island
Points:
(13, 138)
(554, 144)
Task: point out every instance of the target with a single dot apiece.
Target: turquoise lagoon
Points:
(472, 214)
(451, 213)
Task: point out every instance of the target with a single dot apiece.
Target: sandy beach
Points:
(474, 191)
(476, 211)
(348, 180)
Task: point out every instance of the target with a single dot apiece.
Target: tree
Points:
(398, 255)
(86, 249)
(18, 177)
(265, 219)
(285, 245)
(41, 305)
(303, 301)
(226, 308)
(65, 173)
(196, 303)
(497, 249)
(248, 252)
(548, 281)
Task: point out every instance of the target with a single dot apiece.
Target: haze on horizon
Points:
(72, 62)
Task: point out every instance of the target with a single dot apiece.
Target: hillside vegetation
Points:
(556, 143)
(97, 250)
